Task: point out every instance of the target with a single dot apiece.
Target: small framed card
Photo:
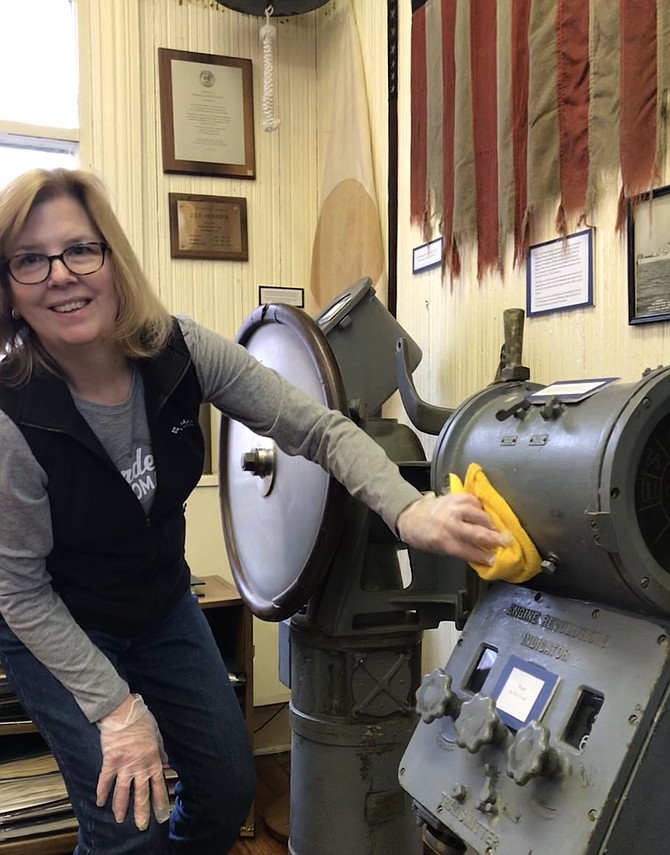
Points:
(570, 391)
(276, 294)
(523, 692)
(428, 255)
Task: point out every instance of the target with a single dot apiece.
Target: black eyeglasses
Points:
(33, 268)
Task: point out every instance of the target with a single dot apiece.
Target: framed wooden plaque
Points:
(207, 115)
(209, 227)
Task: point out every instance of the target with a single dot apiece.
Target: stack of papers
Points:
(33, 799)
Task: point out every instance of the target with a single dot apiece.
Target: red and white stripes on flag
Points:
(517, 104)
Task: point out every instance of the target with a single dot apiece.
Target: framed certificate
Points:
(209, 227)
(206, 104)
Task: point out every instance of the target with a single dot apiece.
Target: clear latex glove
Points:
(133, 755)
(454, 524)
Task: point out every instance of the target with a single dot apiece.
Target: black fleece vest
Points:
(117, 569)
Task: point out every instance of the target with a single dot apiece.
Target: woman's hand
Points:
(454, 524)
(132, 755)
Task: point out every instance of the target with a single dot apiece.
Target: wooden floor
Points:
(271, 808)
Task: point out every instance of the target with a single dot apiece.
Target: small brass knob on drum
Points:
(258, 461)
(261, 462)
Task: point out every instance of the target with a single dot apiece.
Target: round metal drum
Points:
(588, 480)
(281, 515)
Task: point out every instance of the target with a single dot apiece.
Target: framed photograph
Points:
(649, 257)
(559, 274)
(277, 294)
(207, 114)
(208, 227)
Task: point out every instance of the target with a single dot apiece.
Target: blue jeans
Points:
(177, 668)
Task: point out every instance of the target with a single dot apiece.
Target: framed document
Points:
(207, 115)
(649, 257)
(559, 274)
(209, 227)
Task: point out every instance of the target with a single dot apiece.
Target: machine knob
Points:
(434, 697)
(258, 461)
(479, 724)
(531, 756)
(262, 464)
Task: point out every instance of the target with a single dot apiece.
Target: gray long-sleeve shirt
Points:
(243, 389)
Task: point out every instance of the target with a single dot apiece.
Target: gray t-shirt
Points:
(236, 383)
(123, 431)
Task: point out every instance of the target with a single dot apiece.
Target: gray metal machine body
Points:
(302, 549)
(587, 774)
(547, 731)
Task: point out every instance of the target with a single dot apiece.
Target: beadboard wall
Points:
(120, 138)
(458, 325)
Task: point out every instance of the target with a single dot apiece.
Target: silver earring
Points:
(16, 315)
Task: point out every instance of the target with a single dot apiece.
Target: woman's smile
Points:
(67, 309)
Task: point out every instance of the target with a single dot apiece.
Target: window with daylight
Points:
(39, 122)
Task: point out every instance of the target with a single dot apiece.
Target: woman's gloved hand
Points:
(454, 524)
(133, 755)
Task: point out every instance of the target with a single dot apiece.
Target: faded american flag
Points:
(518, 104)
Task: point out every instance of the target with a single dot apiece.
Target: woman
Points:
(99, 448)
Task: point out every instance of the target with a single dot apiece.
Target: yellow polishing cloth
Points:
(519, 561)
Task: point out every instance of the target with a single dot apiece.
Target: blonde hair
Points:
(143, 323)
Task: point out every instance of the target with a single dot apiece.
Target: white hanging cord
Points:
(268, 36)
